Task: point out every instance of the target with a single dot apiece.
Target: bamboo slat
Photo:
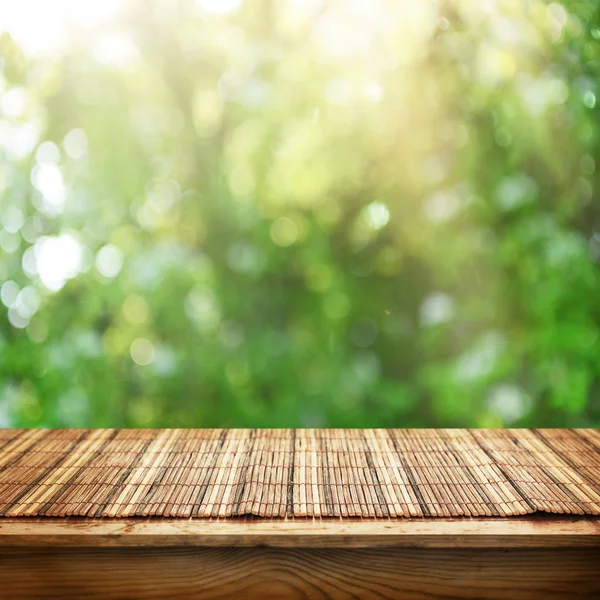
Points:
(370, 473)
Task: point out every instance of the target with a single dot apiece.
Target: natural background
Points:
(286, 213)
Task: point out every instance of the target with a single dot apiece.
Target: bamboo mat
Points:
(298, 473)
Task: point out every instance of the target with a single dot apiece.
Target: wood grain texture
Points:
(282, 574)
(517, 532)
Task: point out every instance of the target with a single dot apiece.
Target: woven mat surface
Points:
(303, 472)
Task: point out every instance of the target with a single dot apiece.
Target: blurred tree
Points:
(218, 213)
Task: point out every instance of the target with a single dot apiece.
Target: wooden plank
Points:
(515, 532)
(289, 574)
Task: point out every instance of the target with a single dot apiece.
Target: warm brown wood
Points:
(464, 486)
(516, 532)
(282, 574)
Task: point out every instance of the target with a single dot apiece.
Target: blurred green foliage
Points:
(300, 214)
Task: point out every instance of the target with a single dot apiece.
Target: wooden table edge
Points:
(513, 532)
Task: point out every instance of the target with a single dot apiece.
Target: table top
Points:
(337, 475)
(529, 531)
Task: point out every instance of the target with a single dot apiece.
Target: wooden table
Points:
(299, 514)
(510, 558)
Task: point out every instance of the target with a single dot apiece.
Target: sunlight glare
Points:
(40, 26)
(48, 179)
(57, 258)
(220, 7)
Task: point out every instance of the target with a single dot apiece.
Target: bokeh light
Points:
(362, 213)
